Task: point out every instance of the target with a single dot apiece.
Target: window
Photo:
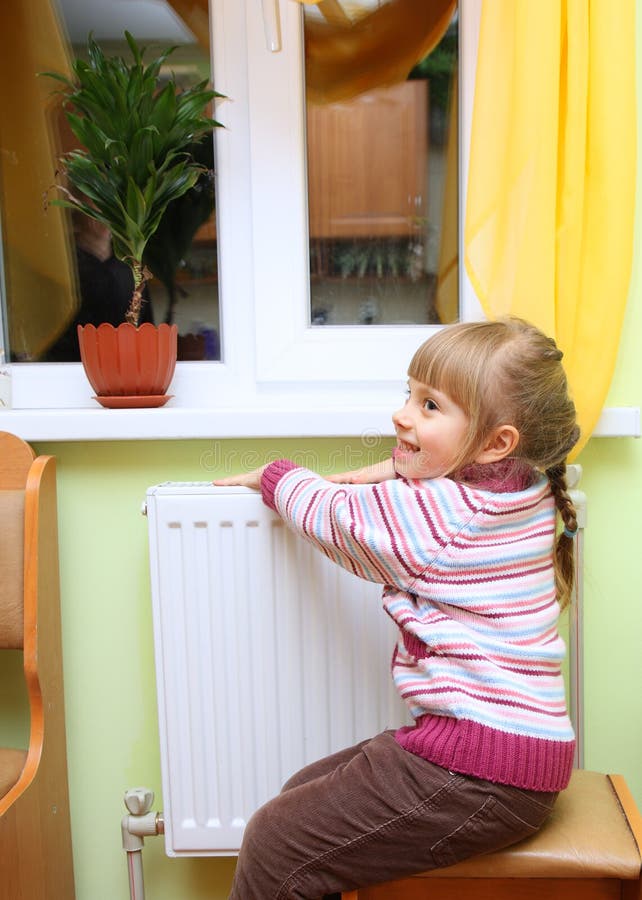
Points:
(275, 357)
(60, 268)
(289, 348)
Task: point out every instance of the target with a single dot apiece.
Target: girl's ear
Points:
(502, 441)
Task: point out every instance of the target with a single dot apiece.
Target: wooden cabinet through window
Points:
(367, 163)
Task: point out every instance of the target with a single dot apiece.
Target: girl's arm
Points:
(374, 474)
(382, 532)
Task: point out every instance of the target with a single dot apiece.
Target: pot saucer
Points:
(133, 401)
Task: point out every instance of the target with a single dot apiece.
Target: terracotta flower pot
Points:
(128, 366)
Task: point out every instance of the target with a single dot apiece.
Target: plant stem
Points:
(133, 313)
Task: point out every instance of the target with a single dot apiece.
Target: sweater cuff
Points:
(271, 477)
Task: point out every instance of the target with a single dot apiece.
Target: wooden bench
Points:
(589, 849)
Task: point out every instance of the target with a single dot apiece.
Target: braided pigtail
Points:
(565, 546)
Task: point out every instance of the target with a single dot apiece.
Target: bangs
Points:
(448, 362)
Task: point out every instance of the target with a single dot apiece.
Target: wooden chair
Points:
(35, 835)
(588, 849)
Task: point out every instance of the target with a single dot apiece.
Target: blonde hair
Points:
(507, 372)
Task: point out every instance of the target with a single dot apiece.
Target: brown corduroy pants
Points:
(371, 813)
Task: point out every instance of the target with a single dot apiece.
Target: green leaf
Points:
(136, 205)
(57, 76)
(141, 154)
(136, 52)
(164, 108)
(89, 135)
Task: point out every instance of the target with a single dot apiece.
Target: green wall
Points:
(612, 480)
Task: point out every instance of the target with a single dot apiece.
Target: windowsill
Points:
(297, 420)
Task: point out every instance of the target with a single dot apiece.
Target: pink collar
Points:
(505, 476)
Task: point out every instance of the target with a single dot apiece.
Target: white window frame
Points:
(279, 375)
(287, 347)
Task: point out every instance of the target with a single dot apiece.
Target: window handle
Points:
(272, 25)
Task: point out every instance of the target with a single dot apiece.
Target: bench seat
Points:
(589, 848)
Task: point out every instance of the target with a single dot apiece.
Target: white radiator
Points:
(268, 657)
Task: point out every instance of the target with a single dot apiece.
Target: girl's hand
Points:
(381, 471)
(244, 479)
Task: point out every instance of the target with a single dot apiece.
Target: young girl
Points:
(460, 529)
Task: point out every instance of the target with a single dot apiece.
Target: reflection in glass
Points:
(382, 166)
(36, 249)
(58, 270)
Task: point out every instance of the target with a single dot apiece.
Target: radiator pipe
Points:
(140, 823)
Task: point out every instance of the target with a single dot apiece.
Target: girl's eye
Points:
(430, 404)
(406, 393)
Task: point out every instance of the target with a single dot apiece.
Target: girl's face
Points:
(431, 431)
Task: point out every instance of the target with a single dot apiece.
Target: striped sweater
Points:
(467, 576)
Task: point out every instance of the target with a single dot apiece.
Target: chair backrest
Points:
(35, 836)
(12, 514)
(16, 458)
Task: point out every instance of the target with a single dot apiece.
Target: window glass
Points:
(59, 269)
(382, 172)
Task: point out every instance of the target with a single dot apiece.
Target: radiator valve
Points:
(141, 821)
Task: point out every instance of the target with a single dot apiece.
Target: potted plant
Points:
(136, 129)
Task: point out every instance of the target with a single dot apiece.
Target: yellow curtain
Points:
(551, 187)
(38, 262)
(345, 56)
